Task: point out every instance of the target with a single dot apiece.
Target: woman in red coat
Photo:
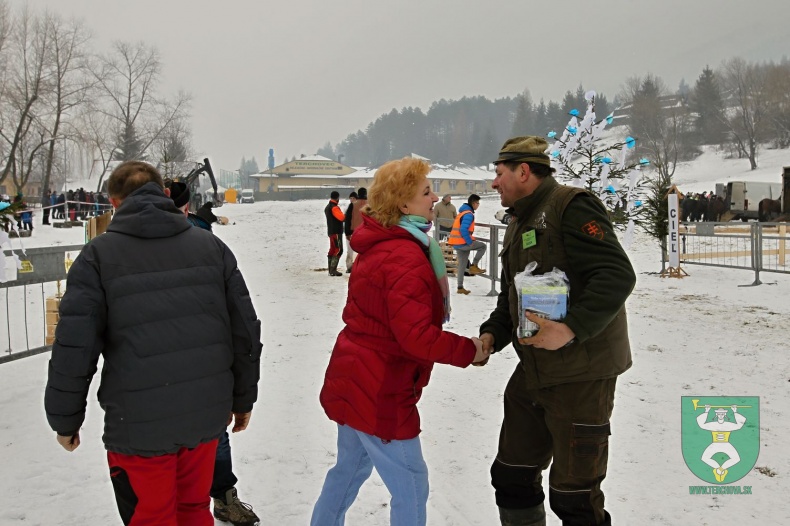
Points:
(398, 298)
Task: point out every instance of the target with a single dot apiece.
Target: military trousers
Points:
(565, 426)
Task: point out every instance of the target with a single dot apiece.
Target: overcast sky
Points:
(291, 75)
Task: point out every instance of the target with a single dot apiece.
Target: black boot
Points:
(534, 516)
(333, 261)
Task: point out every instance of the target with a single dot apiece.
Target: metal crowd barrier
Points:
(760, 247)
(43, 269)
(496, 234)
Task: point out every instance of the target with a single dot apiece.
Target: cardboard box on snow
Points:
(53, 304)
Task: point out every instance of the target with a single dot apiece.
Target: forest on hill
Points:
(739, 106)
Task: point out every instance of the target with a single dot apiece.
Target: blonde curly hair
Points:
(394, 184)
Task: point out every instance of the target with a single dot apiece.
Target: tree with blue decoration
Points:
(8, 212)
(584, 159)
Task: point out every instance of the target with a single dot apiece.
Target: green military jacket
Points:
(572, 232)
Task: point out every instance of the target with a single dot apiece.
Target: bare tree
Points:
(658, 120)
(744, 88)
(71, 83)
(95, 139)
(134, 116)
(27, 79)
(173, 148)
(5, 31)
(778, 95)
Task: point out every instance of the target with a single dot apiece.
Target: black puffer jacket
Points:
(168, 309)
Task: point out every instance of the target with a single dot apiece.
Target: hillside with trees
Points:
(738, 106)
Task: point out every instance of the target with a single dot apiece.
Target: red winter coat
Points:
(383, 357)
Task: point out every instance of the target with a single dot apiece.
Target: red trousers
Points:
(168, 490)
(335, 246)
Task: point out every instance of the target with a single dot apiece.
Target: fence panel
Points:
(760, 247)
(23, 331)
(496, 234)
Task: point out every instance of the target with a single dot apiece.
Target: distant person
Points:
(356, 215)
(384, 355)
(81, 205)
(347, 230)
(166, 307)
(19, 200)
(61, 206)
(227, 506)
(26, 216)
(334, 229)
(53, 200)
(462, 240)
(45, 202)
(204, 217)
(445, 215)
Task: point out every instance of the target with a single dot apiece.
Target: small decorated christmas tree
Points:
(583, 159)
(7, 211)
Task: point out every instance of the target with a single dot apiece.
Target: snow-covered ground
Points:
(702, 335)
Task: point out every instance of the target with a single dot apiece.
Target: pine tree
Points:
(488, 148)
(655, 219)
(130, 146)
(541, 117)
(523, 123)
(707, 103)
(326, 151)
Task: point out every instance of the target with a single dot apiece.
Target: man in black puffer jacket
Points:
(169, 311)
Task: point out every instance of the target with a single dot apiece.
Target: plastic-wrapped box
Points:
(545, 295)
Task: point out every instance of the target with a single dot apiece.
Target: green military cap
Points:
(526, 149)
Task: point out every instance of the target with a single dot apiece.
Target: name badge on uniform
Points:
(528, 239)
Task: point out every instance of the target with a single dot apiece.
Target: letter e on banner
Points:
(674, 251)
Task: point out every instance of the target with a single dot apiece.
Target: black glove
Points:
(205, 213)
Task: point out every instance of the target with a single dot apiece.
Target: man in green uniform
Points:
(560, 397)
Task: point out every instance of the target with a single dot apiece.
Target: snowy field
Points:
(703, 335)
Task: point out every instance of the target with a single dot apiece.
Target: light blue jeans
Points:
(400, 465)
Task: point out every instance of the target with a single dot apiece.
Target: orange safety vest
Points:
(455, 234)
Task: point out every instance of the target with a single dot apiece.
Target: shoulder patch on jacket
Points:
(593, 229)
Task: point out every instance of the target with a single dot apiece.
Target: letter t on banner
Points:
(673, 249)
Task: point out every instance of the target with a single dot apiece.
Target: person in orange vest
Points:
(334, 229)
(463, 242)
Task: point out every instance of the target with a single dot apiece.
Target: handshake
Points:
(484, 347)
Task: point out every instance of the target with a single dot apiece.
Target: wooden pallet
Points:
(450, 260)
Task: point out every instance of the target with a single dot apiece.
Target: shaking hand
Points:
(484, 346)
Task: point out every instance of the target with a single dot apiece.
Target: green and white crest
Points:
(720, 436)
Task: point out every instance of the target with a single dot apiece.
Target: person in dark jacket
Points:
(348, 230)
(227, 506)
(45, 199)
(398, 299)
(166, 307)
(61, 209)
(334, 229)
(204, 217)
(560, 397)
(356, 214)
